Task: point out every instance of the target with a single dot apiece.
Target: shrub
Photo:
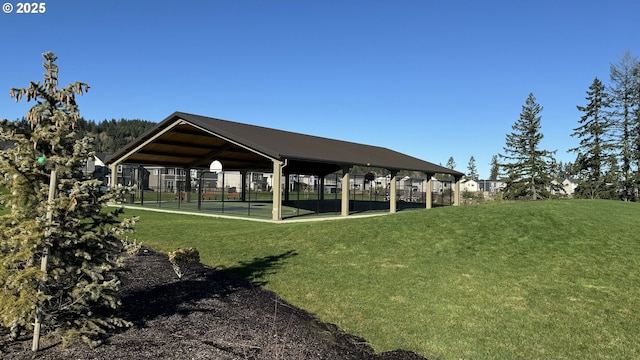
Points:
(185, 261)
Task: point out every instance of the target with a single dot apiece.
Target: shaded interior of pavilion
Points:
(315, 176)
(250, 194)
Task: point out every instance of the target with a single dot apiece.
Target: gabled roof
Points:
(194, 141)
(102, 156)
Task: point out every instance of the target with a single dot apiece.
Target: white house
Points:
(469, 185)
(569, 186)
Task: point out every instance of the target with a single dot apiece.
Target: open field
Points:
(555, 279)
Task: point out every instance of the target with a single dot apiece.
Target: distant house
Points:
(469, 185)
(441, 183)
(569, 186)
(490, 187)
(96, 167)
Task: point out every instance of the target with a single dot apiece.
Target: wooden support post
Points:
(276, 213)
(392, 192)
(44, 262)
(428, 192)
(456, 197)
(345, 192)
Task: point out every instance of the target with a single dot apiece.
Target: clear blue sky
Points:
(432, 79)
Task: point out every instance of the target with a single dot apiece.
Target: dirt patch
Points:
(207, 315)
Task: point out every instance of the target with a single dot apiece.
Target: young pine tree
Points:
(78, 237)
(528, 168)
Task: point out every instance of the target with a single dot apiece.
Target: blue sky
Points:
(431, 79)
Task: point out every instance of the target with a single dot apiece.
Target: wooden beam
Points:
(182, 143)
(213, 153)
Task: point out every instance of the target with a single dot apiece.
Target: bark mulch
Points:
(210, 314)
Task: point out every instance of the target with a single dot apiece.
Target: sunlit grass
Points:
(521, 280)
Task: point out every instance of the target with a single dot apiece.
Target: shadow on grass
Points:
(151, 288)
(257, 269)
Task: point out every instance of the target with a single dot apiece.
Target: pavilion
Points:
(193, 142)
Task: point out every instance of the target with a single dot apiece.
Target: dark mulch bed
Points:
(207, 315)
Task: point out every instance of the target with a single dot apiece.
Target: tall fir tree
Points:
(74, 233)
(595, 134)
(624, 110)
(451, 164)
(472, 169)
(528, 168)
(495, 168)
(636, 124)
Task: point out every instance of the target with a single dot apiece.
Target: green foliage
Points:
(451, 164)
(495, 168)
(596, 144)
(81, 240)
(472, 197)
(111, 135)
(528, 168)
(108, 136)
(132, 247)
(625, 114)
(472, 169)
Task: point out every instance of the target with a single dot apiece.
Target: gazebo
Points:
(193, 142)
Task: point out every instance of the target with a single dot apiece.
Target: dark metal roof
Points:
(192, 141)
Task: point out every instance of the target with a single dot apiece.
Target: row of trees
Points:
(108, 136)
(607, 161)
(607, 164)
(112, 135)
(559, 171)
(608, 158)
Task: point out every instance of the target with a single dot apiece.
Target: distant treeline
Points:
(109, 135)
(112, 135)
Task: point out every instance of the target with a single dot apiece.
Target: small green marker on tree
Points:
(41, 160)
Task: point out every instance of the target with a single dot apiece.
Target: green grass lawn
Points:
(554, 279)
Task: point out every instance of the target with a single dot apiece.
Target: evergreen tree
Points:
(473, 170)
(76, 241)
(112, 135)
(495, 168)
(624, 106)
(528, 169)
(612, 178)
(636, 124)
(451, 164)
(595, 143)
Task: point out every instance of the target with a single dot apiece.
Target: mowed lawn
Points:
(553, 279)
